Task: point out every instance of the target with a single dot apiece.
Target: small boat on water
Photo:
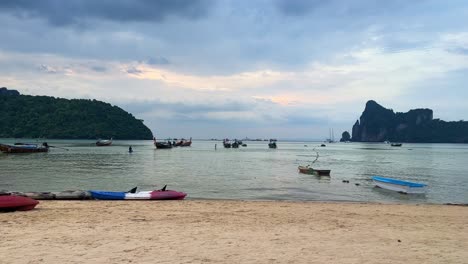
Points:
(236, 144)
(10, 203)
(226, 143)
(396, 144)
(399, 185)
(272, 143)
(162, 194)
(312, 171)
(183, 143)
(162, 145)
(24, 148)
(104, 142)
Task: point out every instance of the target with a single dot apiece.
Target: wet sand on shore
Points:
(224, 231)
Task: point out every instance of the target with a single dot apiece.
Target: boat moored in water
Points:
(399, 185)
(162, 145)
(312, 171)
(24, 148)
(104, 142)
(272, 143)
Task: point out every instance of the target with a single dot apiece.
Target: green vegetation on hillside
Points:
(24, 116)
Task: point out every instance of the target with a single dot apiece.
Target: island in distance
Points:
(26, 116)
(378, 124)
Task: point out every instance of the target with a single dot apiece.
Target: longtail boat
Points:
(104, 142)
(24, 148)
(312, 171)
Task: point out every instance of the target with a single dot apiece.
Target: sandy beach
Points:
(206, 231)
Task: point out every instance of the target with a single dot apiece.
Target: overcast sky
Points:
(276, 68)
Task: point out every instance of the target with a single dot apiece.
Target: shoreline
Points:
(230, 231)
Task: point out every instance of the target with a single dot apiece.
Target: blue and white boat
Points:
(399, 185)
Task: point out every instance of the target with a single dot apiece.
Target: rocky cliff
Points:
(378, 124)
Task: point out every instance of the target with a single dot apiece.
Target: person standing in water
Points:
(130, 149)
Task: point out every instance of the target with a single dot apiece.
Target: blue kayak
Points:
(104, 195)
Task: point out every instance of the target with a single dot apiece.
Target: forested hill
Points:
(25, 116)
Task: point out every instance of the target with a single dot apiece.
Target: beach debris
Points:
(399, 241)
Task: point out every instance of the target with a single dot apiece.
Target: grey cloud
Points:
(99, 68)
(47, 69)
(185, 108)
(299, 7)
(60, 13)
(459, 50)
(133, 70)
(157, 61)
(337, 7)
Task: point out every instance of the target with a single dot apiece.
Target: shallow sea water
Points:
(254, 172)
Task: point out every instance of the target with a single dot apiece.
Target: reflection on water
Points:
(254, 172)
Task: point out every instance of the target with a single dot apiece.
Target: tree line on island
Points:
(378, 124)
(25, 116)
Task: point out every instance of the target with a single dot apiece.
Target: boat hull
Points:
(160, 145)
(9, 203)
(22, 148)
(311, 171)
(400, 186)
(103, 143)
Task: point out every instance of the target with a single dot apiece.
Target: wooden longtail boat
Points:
(104, 142)
(309, 170)
(162, 145)
(24, 148)
(272, 143)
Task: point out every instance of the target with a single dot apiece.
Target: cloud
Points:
(99, 68)
(134, 71)
(157, 61)
(62, 13)
(260, 65)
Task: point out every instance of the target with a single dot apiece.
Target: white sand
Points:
(233, 232)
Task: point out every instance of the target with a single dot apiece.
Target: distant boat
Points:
(24, 148)
(227, 143)
(399, 185)
(162, 145)
(104, 142)
(183, 143)
(396, 144)
(236, 144)
(272, 143)
(309, 170)
(331, 139)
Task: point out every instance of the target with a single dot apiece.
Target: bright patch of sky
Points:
(282, 69)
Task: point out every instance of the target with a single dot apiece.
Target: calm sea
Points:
(251, 173)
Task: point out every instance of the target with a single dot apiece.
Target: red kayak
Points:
(9, 203)
(167, 195)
